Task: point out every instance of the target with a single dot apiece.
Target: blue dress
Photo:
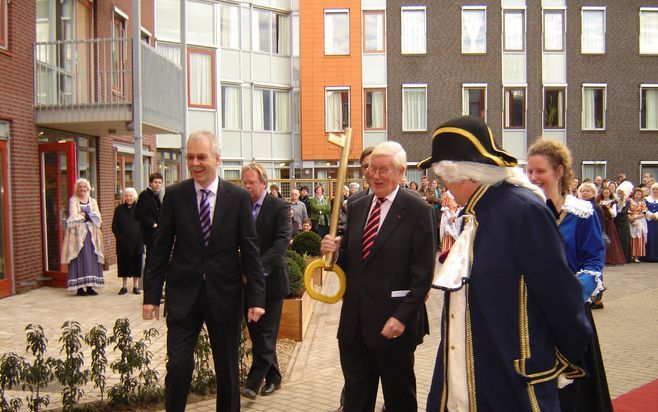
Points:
(652, 235)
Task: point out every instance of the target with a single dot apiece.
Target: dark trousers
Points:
(362, 369)
(263, 334)
(182, 335)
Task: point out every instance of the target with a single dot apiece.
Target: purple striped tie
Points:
(204, 216)
(371, 229)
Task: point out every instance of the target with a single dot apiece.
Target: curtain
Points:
(514, 31)
(473, 31)
(589, 104)
(414, 112)
(259, 115)
(377, 107)
(651, 108)
(261, 31)
(648, 31)
(553, 31)
(230, 107)
(283, 34)
(593, 37)
(170, 51)
(282, 111)
(230, 36)
(201, 77)
(413, 31)
(374, 31)
(334, 120)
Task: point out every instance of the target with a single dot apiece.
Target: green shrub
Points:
(306, 243)
(295, 272)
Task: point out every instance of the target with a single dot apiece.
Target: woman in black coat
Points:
(130, 248)
(623, 225)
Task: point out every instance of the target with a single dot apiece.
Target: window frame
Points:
(414, 86)
(507, 113)
(222, 8)
(643, 116)
(365, 107)
(562, 13)
(594, 164)
(594, 86)
(554, 88)
(342, 89)
(646, 10)
(324, 31)
(408, 9)
(584, 10)
(383, 33)
(471, 9)
(223, 106)
(4, 25)
(272, 113)
(523, 30)
(474, 86)
(119, 17)
(213, 80)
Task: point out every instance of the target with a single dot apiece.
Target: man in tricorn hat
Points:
(514, 321)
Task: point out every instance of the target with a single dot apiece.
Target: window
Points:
(375, 109)
(554, 108)
(4, 130)
(648, 30)
(514, 108)
(474, 29)
(230, 26)
(594, 106)
(648, 167)
(414, 107)
(649, 107)
(374, 32)
(474, 101)
(170, 51)
(119, 53)
(200, 23)
(271, 110)
(271, 32)
(593, 168)
(592, 39)
(514, 30)
(337, 109)
(4, 44)
(337, 32)
(553, 30)
(201, 78)
(169, 163)
(413, 30)
(231, 107)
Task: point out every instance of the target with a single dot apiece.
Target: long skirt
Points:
(614, 255)
(85, 270)
(129, 266)
(652, 242)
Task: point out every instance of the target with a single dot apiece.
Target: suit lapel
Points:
(393, 218)
(192, 203)
(261, 213)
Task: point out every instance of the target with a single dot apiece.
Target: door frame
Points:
(6, 285)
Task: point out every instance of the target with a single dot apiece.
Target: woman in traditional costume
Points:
(652, 225)
(614, 255)
(637, 211)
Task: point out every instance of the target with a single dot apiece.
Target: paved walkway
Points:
(627, 332)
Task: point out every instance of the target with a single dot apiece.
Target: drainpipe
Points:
(183, 63)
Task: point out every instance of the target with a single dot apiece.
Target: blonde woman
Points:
(83, 242)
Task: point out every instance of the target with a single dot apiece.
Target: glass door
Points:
(5, 264)
(58, 174)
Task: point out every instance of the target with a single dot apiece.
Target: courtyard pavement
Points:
(626, 326)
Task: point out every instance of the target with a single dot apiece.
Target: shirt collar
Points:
(260, 200)
(391, 196)
(212, 187)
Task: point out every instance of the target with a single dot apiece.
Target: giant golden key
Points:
(343, 140)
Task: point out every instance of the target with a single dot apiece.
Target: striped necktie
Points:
(204, 216)
(371, 229)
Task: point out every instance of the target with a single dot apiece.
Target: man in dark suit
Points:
(388, 253)
(205, 242)
(273, 226)
(147, 210)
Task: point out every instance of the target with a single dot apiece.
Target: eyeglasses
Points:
(200, 158)
(382, 171)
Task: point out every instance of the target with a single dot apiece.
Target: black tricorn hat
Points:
(466, 139)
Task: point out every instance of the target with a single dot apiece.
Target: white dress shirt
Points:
(212, 196)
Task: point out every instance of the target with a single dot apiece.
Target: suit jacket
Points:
(180, 257)
(273, 226)
(401, 259)
(147, 211)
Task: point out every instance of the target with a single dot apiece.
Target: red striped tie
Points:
(371, 229)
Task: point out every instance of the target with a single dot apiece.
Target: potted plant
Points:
(298, 306)
(307, 244)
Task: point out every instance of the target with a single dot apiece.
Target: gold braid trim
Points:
(470, 359)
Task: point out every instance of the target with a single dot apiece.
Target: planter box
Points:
(318, 275)
(295, 317)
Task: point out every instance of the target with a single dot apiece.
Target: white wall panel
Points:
(261, 70)
(280, 70)
(231, 144)
(558, 135)
(554, 69)
(373, 4)
(229, 65)
(246, 67)
(374, 69)
(281, 146)
(514, 142)
(247, 149)
(514, 68)
(168, 141)
(373, 138)
(202, 120)
(263, 145)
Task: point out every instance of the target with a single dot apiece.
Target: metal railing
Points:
(329, 185)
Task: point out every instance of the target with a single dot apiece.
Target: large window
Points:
(231, 107)
(271, 32)
(648, 30)
(514, 108)
(514, 30)
(337, 109)
(375, 102)
(474, 100)
(553, 30)
(593, 168)
(119, 52)
(414, 30)
(200, 23)
(554, 107)
(230, 26)
(474, 29)
(4, 44)
(592, 38)
(594, 106)
(337, 31)
(201, 78)
(271, 110)
(414, 107)
(374, 31)
(649, 107)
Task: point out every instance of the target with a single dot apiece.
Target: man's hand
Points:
(329, 244)
(151, 311)
(253, 314)
(392, 329)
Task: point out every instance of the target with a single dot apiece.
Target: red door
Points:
(58, 173)
(5, 256)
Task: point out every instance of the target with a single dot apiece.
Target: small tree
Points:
(204, 380)
(69, 371)
(39, 373)
(123, 393)
(96, 338)
(148, 389)
(306, 243)
(11, 370)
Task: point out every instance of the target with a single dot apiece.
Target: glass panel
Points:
(230, 30)
(593, 31)
(56, 205)
(336, 33)
(413, 31)
(167, 20)
(262, 37)
(649, 32)
(514, 32)
(649, 108)
(475, 102)
(200, 23)
(553, 31)
(86, 155)
(554, 108)
(414, 110)
(515, 108)
(375, 112)
(374, 31)
(474, 31)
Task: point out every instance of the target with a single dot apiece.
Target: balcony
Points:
(85, 87)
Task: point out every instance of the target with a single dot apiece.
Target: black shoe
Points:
(248, 393)
(91, 292)
(269, 388)
(123, 291)
(80, 292)
(596, 305)
(136, 291)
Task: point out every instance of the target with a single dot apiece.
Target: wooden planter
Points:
(295, 317)
(318, 274)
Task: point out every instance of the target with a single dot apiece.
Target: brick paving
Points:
(626, 328)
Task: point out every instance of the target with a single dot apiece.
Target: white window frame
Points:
(402, 42)
(522, 49)
(4, 130)
(275, 127)
(482, 9)
(595, 164)
(414, 86)
(331, 51)
(367, 90)
(4, 25)
(583, 47)
(466, 104)
(603, 86)
(238, 107)
(643, 50)
(562, 12)
(653, 164)
(383, 31)
(342, 89)
(506, 119)
(646, 86)
(234, 28)
(554, 87)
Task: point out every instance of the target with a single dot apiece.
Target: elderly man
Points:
(388, 256)
(298, 209)
(513, 318)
